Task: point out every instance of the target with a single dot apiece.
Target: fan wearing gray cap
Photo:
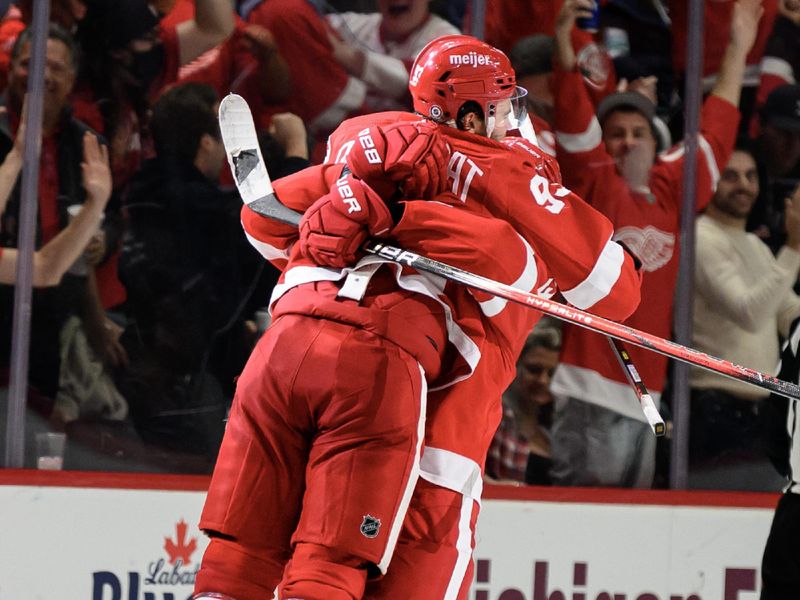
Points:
(609, 157)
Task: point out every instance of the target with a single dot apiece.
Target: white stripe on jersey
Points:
(772, 65)
(303, 274)
(581, 142)
(355, 284)
(467, 348)
(463, 549)
(526, 282)
(674, 154)
(268, 251)
(711, 161)
(708, 153)
(600, 281)
(750, 78)
(462, 475)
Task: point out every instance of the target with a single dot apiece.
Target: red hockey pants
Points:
(318, 463)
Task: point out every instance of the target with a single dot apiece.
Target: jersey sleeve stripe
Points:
(526, 282)
(708, 153)
(711, 161)
(601, 280)
(771, 65)
(676, 153)
(268, 251)
(581, 142)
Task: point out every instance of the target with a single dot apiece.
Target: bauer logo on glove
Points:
(346, 193)
(334, 227)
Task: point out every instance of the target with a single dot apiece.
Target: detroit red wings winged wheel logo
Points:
(650, 245)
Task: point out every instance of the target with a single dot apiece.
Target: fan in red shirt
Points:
(610, 160)
(717, 18)
(248, 63)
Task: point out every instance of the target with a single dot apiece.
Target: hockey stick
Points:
(270, 206)
(252, 178)
(253, 181)
(632, 374)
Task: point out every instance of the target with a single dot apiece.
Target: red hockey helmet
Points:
(454, 69)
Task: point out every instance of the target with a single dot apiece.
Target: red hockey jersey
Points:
(548, 213)
(470, 241)
(647, 224)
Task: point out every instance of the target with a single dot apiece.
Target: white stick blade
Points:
(653, 416)
(241, 145)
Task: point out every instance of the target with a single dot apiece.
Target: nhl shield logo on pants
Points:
(370, 526)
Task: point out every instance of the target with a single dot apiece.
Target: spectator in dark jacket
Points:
(181, 265)
(189, 274)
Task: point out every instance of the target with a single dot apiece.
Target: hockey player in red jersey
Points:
(352, 508)
(583, 264)
(480, 339)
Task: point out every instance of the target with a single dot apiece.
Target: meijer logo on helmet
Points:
(473, 58)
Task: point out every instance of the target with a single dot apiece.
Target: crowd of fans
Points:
(135, 348)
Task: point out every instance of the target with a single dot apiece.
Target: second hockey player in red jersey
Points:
(523, 228)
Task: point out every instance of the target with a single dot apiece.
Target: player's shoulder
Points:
(542, 161)
(471, 144)
(525, 147)
(355, 124)
(345, 135)
(350, 128)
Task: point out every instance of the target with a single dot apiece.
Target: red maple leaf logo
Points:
(179, 548)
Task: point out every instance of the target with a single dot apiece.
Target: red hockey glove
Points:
(408, 159)
(334, 227)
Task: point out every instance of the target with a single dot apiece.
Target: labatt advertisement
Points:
(73, 543)
(99, 544)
